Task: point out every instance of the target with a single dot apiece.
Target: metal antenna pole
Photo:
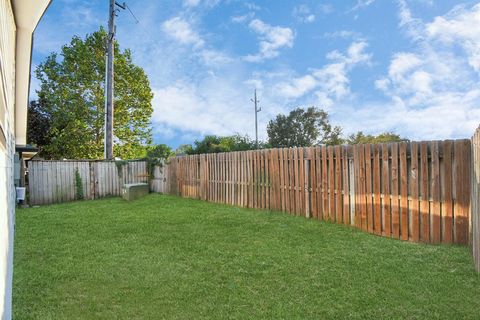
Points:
(108, 153)
(257, 110)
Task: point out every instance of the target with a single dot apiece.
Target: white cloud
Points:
(272, 39)
(303, 13)
(251, 6)
(183, 32)
(333, 77)
(402, 63)
(243, 18)
(434, 88)
(441, 119)
(214, 58)
(412, 26)
(297, 87)
(325, 8)
(191, 3)
(330, 83)
(362, 4)
(180, 30)
(356, 53)
(212, 106)
(342, 34)
(85, 16)
(462, 27)
(382, 84)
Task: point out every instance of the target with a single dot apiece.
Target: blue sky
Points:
(408, 66)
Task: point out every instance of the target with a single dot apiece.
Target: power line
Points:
(136, 20)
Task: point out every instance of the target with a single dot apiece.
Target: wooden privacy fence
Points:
(54, 181)
(476, 199)
(417, 191)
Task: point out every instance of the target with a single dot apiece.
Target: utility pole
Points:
(109, 80)
(257, 110)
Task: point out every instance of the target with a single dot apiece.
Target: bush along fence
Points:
(61, 181)
(418, 191)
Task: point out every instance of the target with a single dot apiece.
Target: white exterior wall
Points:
(7, 194)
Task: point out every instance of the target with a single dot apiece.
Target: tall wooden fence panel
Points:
(418, 191)
(54, 181)
(159, 179)
(476, 199)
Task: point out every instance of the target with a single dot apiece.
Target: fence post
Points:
(204, 171)
(475, 198)
(91, 171)
(351, 184)
(306, 182)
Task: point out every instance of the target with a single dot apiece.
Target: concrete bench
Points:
(132, 191)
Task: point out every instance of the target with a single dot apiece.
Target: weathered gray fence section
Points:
(159, 181)
(54, 181)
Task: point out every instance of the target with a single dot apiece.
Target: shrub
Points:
(78, 186)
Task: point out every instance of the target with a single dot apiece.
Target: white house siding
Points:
(7, 194)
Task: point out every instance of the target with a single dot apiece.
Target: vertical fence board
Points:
(318, 179)
(403, 191)
(368, 186)
(313, 182)
(475, 199)
(415, 225)
(363, 188)
(462, 188)
(331, 183)
(376, 190)
(387, 218)
(296, 181)
(338, 185)
(358, 191)
(346, 186)
(285, 184)
(424, 205)
(395, 192)
(435, 191)
(324, 184)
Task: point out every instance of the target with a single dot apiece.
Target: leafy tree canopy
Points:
(72, 93)
(184, 149)
(216, 144)
(38, 124)
(303, 128)
(361, 138)
(159, 151)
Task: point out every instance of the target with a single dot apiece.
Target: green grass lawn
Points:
(167, 257)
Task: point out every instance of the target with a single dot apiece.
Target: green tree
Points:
(209, 144)
(184, 149)
(361, 138)
(38, 124)
(216, 144)
(303, 128)
(72, 88)
(237, 142)
(159, 151)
